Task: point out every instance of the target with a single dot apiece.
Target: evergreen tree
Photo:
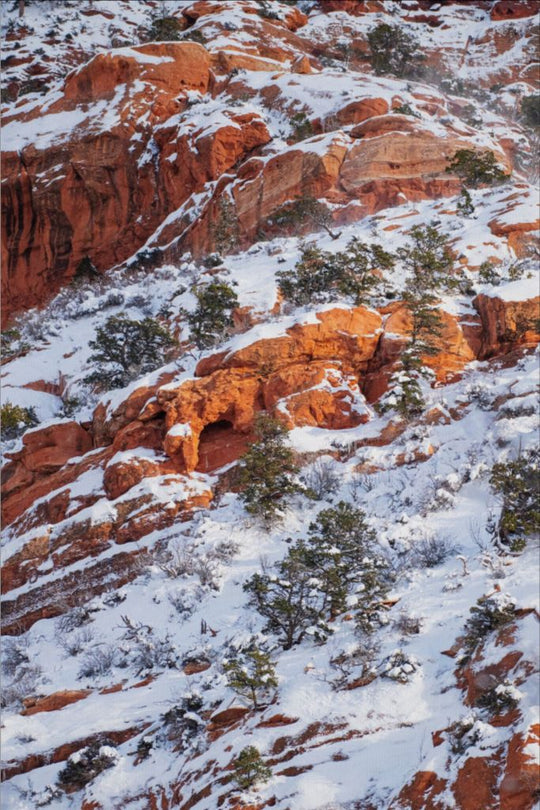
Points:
(428, 259)
(340, 549)
(165, 29)
(252, 675)
(476, 168)
(15, 420)
(212, 317)
(465, 206)
(250, 768)
(124, 349)
(336, 565)
(267, 471)
(306, 208)
(311, 279)
(321, 276)
(289, 598)
(518, 482)
(394, 51)
(355, 269)
(405, 390)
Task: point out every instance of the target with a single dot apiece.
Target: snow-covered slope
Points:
(127, 545)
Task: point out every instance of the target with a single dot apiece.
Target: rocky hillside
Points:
(270, 406)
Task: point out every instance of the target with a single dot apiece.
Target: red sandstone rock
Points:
(54, 702)
(513, 9)
(48, 449)
(231, 390)
(421, 793)
(173, 66)
(87, 208)
(506, 323)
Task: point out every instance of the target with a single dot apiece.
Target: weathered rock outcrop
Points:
(507, 323)
(80, 195)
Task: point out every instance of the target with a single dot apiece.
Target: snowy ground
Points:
(361, 744)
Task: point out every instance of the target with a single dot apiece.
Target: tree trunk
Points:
(21, 8)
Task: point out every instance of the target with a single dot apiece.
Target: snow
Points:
(524, 289)
(343, 746)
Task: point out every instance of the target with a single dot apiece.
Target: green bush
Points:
(489, 614)
(250, 768)
(518, 482)
(165, 29)
(212, 318)
(405, 109)
(125, 349)
(83, 766)
(394, 51)
(476, 168)
(267, 471)
(301, 127)
(15, 420)
(195, 36)
(12, 344)
(501, 698)
(252, 674)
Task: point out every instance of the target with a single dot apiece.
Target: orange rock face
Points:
(507, 323)
(169, 66)
(86, 207)
(308, 376)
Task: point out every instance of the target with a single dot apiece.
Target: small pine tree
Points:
(212, 317)
(165, 29)
(252, 675)
(250, 768)
(302, 127)
(15, 420)
(489, 613)
(312, 585)
(267, 471)
(405, 390)
(288, 597)
(355, 269)
(465, 205)
(518, 482)
(340, 549)
(124, 349)
(476, 168)
(310, 280)
(428, 258)
(394, 51)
